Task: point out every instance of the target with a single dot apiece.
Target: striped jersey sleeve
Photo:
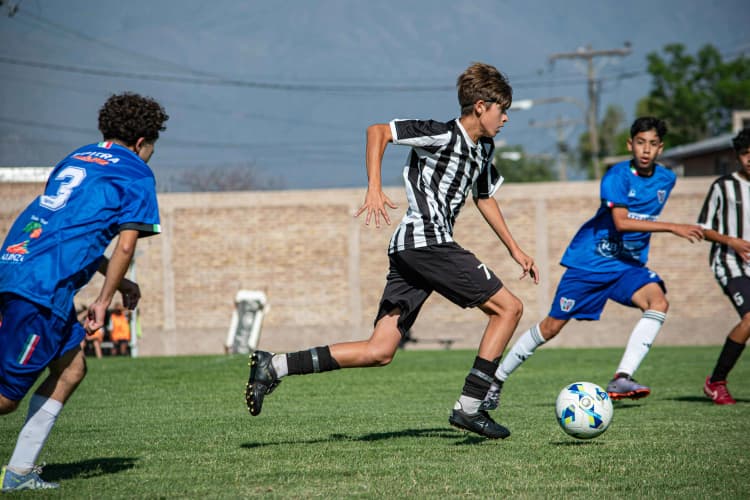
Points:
(726, 210)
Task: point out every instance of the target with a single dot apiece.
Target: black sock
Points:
(730, 353)
(479, 379)
(315, 360)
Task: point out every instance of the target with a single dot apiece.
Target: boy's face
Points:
(491, 118)
(645, 146)
(744, 158)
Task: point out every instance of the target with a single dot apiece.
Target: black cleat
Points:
(479, 422)
(262, 381)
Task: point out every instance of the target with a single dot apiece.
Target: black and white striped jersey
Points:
(726, 210)
(443, 166)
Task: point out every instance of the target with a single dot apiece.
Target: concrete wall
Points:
(323, 270)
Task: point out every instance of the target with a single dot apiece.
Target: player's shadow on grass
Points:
(442, 433)
(86, 469)
(577, 442)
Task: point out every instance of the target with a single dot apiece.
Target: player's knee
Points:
(659, 303)
(744, 326)
(7, 405)
(381, 357)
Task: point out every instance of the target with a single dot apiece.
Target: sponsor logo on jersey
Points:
(609, 248)
(567, 304)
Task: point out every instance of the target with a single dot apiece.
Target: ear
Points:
(630, 144)
(139, 143)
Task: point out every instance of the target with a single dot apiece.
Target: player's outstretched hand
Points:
(741, 247)
(375, 203)
(690, 232)
(131, 293)
(95, 316)
(527, 264)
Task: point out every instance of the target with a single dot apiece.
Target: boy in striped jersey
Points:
(606, 260)
(725, 219)
(96, 194)
(447, 161)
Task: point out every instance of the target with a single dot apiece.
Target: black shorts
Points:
(738, 290)
(448, 269)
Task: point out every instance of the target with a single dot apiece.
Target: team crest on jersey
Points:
(567, 304)
(661, 195)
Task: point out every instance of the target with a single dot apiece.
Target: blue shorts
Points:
(583, 294)
(31, 337)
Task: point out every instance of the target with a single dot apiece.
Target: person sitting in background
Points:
(119, 330)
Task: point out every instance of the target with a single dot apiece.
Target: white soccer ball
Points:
(584, 410)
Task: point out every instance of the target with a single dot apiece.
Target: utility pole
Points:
(588, 54)
(562, 148)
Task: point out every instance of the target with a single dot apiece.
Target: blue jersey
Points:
(598, 246)
(56, 244)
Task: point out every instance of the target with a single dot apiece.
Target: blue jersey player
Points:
(606, 260)
(96, 194)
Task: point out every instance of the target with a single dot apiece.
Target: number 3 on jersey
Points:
(70, 177)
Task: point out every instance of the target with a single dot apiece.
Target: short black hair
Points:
(128, 116)
(646, 123)
(742, 141)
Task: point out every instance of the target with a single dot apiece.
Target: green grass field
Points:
(178, 428)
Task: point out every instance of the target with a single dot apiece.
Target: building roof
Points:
(718, 143)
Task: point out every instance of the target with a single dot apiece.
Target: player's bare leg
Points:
(65, 374)
(267, 369)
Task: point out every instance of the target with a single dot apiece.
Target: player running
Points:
(447, 161)
(606, 260)
(96, 194)
(725, 219)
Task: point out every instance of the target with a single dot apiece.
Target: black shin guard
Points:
(479, 379)
(315, 360)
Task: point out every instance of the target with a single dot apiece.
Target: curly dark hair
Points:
(742, 141)
(646, 123)
(128, 116)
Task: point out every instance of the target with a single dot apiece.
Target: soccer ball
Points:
(583, 410)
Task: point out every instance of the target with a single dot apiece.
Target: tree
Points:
(517, 166)
(695, 94)
(224, 178)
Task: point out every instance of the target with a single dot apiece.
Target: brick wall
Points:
(323, 270)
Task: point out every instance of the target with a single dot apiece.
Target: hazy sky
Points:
(289, 87)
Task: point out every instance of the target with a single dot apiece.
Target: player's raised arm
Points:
(378, 137)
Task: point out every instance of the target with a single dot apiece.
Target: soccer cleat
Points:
(718, 392)
(480, 423)
(262, 381)
(623, 386)
(30, 481)
(491, 401)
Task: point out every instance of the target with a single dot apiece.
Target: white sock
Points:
(42, 415)
(280, 365)
(641, 338)
(520, 352)
(467, 404)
